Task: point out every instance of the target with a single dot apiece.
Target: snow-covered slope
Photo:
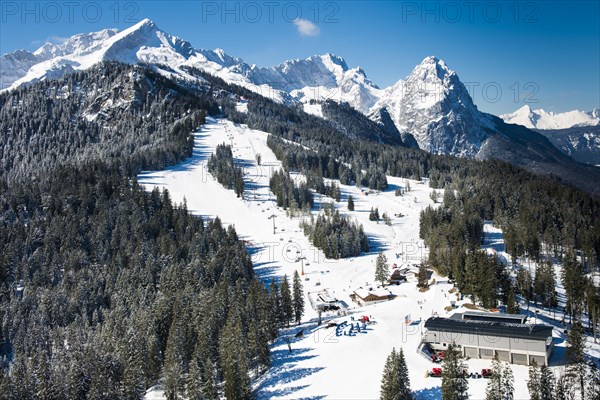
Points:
(541, 119)
(322, 364)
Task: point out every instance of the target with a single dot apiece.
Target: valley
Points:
(321, 363)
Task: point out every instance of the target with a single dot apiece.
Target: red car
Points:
(486, 373)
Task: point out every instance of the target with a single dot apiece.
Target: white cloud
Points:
(306, 28)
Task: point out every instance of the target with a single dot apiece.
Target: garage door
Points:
(519, 358)
(486, 353)
(503, 355)
(540, 360)
(471, 352)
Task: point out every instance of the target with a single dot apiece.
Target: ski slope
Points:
(321, 364)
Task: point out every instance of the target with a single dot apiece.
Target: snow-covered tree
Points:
(382, 272)
(501, 384)
(395, 383)
(454, 382)
(298, 297)
(350, 203)
(287, 304)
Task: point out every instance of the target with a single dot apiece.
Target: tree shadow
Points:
(285, 371)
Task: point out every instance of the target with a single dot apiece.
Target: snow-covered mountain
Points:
(436, 108)
(582, 143)
(140, 43)
(431, 104)
(541, 119)
(431, 107)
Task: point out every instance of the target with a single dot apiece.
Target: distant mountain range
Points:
(575, 133)
(431, 108)
(541, 119)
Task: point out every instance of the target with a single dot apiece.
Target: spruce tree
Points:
(275, 317)
(173, 367)
(403, 379)
(395, 383)
(454, 382)
(389, 386)
(507, 383)
(423, 276)
(494, 391)
(298, 297)
(575, 355)
(232, 353)
(287, 304)
(350, 203)
(209, 390)
(382, 272)
(547, 384)
(534, 382)
(194, 383)
(592, 389)
(512, 306)
(575, 352)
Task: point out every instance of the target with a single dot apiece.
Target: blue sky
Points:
(510, 53)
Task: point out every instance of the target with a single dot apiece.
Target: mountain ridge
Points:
(542, 119)
(431, 107)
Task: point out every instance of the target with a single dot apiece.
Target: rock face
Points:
(436, 108)
(582, 143)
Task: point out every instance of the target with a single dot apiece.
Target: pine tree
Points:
(350, 203)
(574, 280)
(232, 353)
(209, 390)
(512, 306)
(423, 276)
(507, 383)
(404, 393)
(534, 382)
(395, 383)
(494, 390)
(194, 383)
(575, 355)
(298, 297)
(173, 367)
(275, 316)
(454, 383)
(287, 304)
(547, 384)
(389, 386)
(592, 389)
(382, 272)
(575, 352)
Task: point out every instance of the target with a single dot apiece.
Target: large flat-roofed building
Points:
(513, 342)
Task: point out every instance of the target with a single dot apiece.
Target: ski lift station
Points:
(489, 335)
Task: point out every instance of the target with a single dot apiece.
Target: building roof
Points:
(379, 292)
(489, 316)
(490, 328)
